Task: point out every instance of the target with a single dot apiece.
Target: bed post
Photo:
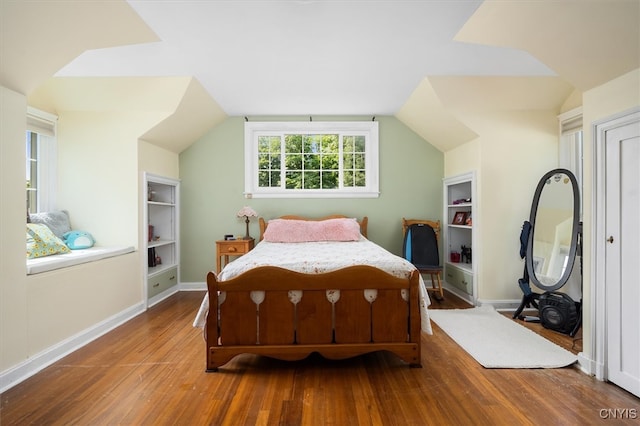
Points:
(211, 326)
(415, 329)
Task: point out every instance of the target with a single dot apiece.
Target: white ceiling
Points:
(307, 57)
(430, 63)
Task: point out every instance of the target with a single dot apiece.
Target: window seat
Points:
(76, 257)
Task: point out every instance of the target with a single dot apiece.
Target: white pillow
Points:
(57, 221)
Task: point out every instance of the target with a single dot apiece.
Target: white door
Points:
(622, 256)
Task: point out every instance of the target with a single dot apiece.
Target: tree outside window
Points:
(311, 159)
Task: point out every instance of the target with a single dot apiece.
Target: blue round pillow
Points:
(76, 240)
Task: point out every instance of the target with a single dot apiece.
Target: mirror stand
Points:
(549, 242)
(530, 299)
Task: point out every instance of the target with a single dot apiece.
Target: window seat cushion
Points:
(75, 257)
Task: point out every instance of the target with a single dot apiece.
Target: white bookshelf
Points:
(459, 203)
(161, 237)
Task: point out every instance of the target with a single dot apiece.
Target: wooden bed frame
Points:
(281, 329)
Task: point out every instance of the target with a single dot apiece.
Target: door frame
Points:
(597, 306)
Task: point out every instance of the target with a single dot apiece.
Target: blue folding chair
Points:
(420, 247)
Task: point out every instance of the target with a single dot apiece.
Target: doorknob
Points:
(610, 239)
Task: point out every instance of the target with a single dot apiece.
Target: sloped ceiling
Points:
(196, 113)
(38, 38)
(437, 108)
(426, 115)
(421, 60)
(153, 94)
(178, 109)
(307, 57)
(584, 42)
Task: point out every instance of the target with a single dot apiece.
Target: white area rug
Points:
(499, 342)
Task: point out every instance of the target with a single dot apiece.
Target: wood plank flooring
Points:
(150, 371)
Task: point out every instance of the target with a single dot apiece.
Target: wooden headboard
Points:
(363, 223)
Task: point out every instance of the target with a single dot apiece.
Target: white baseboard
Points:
(587, 365)
(36, 363)
(195, 286)
(461, 294)
(501, 304)
(161, 296)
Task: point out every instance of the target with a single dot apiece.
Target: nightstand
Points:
(226, 248)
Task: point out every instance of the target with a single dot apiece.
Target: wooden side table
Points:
(226, 248)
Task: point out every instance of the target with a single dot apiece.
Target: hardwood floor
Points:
(151, 371)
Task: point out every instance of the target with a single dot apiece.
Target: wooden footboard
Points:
(288, 315)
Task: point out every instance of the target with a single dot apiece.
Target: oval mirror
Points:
(555, 217)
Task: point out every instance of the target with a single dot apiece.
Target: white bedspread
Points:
(320, 257)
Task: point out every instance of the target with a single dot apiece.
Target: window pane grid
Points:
(316, 160)
(269, 161)
(311, 161)
(354, 161)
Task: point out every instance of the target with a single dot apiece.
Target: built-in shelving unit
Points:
(459, 235)
(161, 236)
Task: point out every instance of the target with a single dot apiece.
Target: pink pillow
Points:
(300, 231)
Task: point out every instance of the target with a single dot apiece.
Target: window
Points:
(41, 160)
(570, 146)
(32, 171)
(311, 159)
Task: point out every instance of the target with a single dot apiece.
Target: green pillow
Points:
(41, 241)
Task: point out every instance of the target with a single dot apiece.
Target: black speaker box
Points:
(558, 312)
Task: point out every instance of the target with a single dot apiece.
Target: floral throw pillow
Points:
(41, 241)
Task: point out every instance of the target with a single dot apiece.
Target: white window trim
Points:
(253, 129)
(45, 125)
(571, 143)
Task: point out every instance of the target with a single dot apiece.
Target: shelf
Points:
(460, 205)
(451, 225)
(160, 203)
(160, 243)
(155, 270)
(468, 267)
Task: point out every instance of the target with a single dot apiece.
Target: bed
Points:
(314, 285)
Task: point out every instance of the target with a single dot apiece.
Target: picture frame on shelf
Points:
(459, 218)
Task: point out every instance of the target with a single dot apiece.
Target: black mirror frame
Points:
(575, 229)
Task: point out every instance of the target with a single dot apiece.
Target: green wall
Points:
(212, 175)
